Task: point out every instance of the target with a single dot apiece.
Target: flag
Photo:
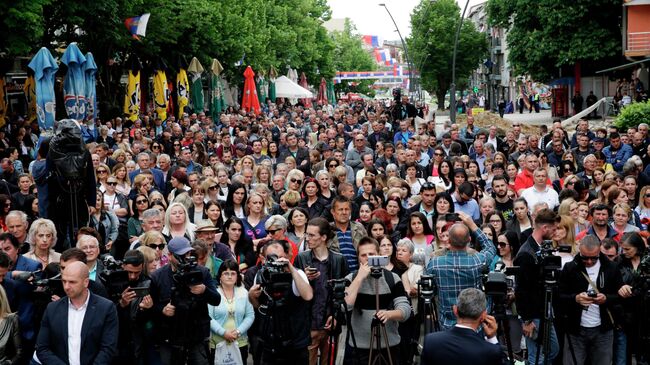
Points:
(217, 101)
(44, 67)
(377, 55)
(196, 70)
(137, 25)
(30, 97)
(182, 90)
(90, 70)
(371, 40)
(160, 94)
(3, 103)
(132, 96)
(74, 83)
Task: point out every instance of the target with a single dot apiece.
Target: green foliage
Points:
(433, 27)
(633, 115)
(21, 26)
(547, 34)
(349, 55)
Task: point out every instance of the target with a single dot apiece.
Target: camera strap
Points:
(593, 285)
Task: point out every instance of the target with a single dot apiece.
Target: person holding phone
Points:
(321, 265)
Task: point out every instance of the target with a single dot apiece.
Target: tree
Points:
(548, 34)
(349, 55)
(21, 26)
(433, 27)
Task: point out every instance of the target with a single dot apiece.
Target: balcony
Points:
(638, 44)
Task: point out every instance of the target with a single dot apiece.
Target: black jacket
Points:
(529, 292)
(573, 282)
(459, 346)
(338, 266)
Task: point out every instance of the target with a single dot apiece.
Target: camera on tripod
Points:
(188, 273)
(550, 264)
(426, 286)
(274, 278)
(114, 277)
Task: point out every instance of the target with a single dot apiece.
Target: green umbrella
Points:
(217, 101)
(262, 87)
(273, 74)
(195, 70)
(331, 95)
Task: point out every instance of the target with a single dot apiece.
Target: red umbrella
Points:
(322, 92)
(303, 82)
(249, 101)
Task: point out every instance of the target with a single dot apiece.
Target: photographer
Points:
(588, 288)
(133, 310)
(529, 292)
(360, 297)
(321, 265)
(181, 322)
(281, 301)
(457, 269)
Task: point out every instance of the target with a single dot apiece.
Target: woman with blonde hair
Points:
(622, 214)
(151, 262)
(177, 223)
(156, 241)
(123, 182)
(10, 346)
(101, 173)
(119, 156)
(565, 235)
(643, 208)
(569, 207)
(42, 236)
(263, 175)
(294, 180)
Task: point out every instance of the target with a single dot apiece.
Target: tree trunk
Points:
(440, 95)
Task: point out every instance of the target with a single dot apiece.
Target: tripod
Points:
(546, 321)
(503, 327)
(378, 328)
(335, 331)
(428, 312)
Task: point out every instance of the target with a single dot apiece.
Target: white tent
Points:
(285, 88)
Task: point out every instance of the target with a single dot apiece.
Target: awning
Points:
(623, 66)
(636, 2)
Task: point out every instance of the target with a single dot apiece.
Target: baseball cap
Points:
(599, 139)
(179, 246)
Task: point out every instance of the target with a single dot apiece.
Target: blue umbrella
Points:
(74, 84)
(44, 67)
(90, 70)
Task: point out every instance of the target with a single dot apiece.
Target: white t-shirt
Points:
(591, 316)
(110, 202)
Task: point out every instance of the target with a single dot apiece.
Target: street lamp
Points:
(452, 87)
(406, 54)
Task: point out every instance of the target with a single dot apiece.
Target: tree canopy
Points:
(433, 27)
(547, 34)
(349, 55)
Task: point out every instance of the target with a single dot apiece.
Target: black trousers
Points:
(194, 354)
(285, 356)
(361, 356)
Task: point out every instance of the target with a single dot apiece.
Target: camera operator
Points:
(181, 320)
(321, 265)
(133, 310)
(360, 297)
(529, 292)
(589, 289)
(283, 324)
(456, 269)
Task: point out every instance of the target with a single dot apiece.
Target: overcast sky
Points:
(372, 19)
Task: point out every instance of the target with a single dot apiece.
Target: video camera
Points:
(274, 278)
(497, 285)
(550, 264)
(427, 286)
(114, 277)
(187, 273)
(51, 286)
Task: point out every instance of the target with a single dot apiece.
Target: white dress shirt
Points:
(75, 321)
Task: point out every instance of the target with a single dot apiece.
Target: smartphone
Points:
(140, 292)
(311, 270)
(592, 293)
(377, 261)
(452, 217)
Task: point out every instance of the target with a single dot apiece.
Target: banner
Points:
(3, 103)
(30, 97)
(160, 94)
(132, 96)
(182, 90)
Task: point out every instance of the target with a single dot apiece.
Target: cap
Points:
(599, 139)
(179, 246)
(205, 226)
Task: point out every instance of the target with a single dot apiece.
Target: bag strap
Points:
(593, 285)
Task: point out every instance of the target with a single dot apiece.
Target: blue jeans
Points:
(620, 347)
(533, 346)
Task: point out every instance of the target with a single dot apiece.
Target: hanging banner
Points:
(160, 94)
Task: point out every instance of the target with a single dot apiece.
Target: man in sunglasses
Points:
(589, 287)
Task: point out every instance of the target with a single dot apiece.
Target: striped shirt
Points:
(347, 248)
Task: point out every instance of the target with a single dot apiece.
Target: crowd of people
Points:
(207, 235)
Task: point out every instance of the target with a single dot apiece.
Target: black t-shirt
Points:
(506, 209)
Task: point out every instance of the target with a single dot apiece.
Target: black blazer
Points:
(98, 333)
(459, 346)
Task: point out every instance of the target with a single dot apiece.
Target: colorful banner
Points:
(137, 25)
(132, 96)
(182, 91)
(160, 94)
(30, 97)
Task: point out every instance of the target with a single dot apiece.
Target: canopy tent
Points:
(285, 88)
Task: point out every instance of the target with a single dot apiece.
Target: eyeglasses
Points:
(112, 183)
(494, 221)
(155, 147)
(589, 258)
(177, 144)
(333, 166)
(213, 187)
(438, 154)
(273, 231)
(502, 244)
(102, 171)
(140, 201)
(160, 246)
(296, 181)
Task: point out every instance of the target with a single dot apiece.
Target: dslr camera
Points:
(274, 278)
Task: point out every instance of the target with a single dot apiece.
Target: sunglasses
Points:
(112, 183)
(155, 147)
(589, 258)
(502, 244)
(140, 201)
(296, 181)
(333, 166)
(438, 154)
(273, 231)
(160, 246)
(177, 144)
(213, 187)
(647, 195)
(102, 171)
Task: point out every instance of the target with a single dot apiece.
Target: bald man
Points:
(79, 318)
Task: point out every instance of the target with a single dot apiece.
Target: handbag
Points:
(227, 353)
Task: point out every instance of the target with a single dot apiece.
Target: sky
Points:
(372, 19)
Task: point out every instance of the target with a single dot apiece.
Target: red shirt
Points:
(524, 180)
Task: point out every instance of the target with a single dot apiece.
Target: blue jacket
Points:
(23, 293)
(618, 157)
(158, 177)
(244, 313)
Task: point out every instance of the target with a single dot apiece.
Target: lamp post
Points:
(452, 87)
(406, 54)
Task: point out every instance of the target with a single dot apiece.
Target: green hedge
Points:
(633, 115)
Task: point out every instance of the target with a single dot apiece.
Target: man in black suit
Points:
(462, 345)
(81, 319)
